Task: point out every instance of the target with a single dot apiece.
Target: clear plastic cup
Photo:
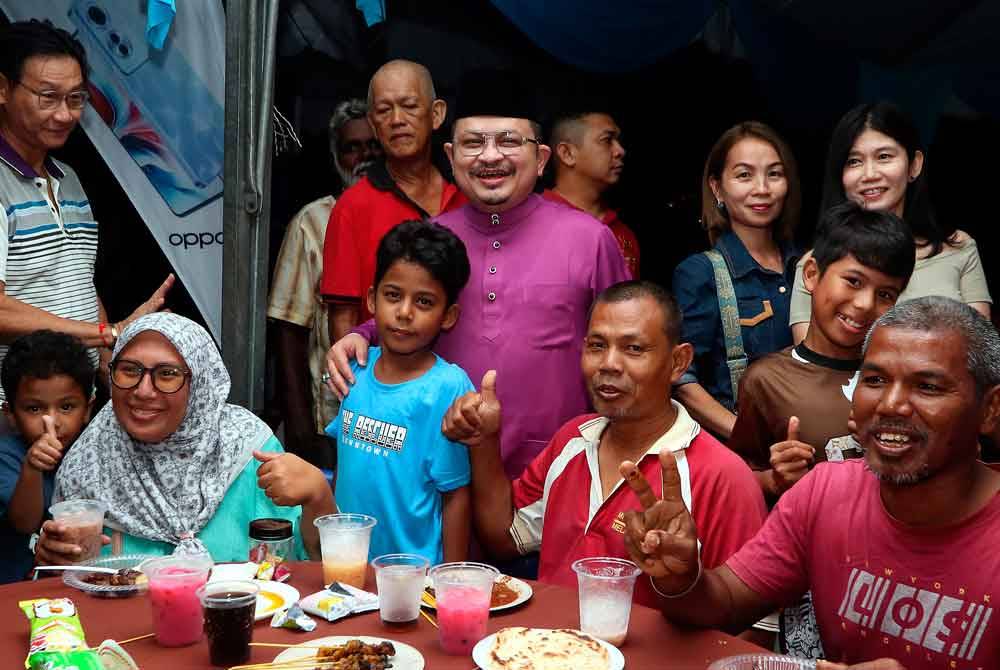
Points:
(462, 591)
(173, 594)
(400, 581)
(84, 523)
(605, 588)
(762, 662)
(229, 608)
(344, 540)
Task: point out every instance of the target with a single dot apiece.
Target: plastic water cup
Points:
(400, 581)
(173, 594)
(344, 540)
(605, 588)
(462, 591)
(84, 522)
(229, 608)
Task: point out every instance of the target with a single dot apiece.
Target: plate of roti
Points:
(519, 648)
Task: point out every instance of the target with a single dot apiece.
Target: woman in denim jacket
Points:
(750, 206)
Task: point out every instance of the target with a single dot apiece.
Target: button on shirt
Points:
(763, 332)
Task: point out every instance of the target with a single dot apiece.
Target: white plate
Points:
(523, 590)
(406, 658)
(273, 596)
(481, 653)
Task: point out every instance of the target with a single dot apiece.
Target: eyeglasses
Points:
(48, 100)
(357, 146)
(166, 378)
(507, 142)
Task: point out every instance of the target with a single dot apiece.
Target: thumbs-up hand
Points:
(791, 459)
(287, 479)
(475, 415)
(661, 538)
(46, 452)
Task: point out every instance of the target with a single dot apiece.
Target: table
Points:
(652, 642)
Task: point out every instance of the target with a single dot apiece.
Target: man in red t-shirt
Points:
(403, 111)
(573, 487)
(899, 550)
(588, 158)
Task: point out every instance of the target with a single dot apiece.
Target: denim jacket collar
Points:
(741, 263)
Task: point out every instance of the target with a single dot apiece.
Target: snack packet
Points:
(331, 605)
(83, 659)
(55, 627)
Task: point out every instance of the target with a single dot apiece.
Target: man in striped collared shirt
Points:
(48, 234)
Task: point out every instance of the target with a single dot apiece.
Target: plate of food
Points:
(508, 592)
(273, 596)
(127, 581)
(378, 652)
(545, 649)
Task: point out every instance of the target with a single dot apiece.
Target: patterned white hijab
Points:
(170, 490)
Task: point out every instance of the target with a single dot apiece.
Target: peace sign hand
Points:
(661, 539)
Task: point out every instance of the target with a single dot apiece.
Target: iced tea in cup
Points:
(173, 593)
(229, 608)
(343, 540)
(605, 587)
(400, 581)
(462, 591)
(84, 523)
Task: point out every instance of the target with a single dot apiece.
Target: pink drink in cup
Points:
(173, 592)
(463, 592)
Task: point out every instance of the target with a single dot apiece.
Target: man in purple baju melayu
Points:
(536, 269)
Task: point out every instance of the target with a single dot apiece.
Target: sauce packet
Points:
(55, 627)
(332, 605)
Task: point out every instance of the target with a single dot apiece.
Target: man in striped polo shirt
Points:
(48, 235)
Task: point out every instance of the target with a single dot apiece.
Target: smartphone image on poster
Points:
(154, 103)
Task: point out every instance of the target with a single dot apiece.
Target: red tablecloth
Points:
(652, 641)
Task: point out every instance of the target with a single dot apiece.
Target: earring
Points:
(719, 205)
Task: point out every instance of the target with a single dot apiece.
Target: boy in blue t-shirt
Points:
(49, 383)
(393, 462)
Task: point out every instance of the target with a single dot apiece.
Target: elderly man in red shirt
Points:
(403, 111)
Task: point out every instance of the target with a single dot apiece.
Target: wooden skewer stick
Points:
(136, 639)
(429, 618)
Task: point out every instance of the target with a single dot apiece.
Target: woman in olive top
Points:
(876, 159)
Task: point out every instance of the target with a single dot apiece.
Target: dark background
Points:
(670, 112)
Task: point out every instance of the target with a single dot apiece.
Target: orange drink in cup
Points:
(344, 540)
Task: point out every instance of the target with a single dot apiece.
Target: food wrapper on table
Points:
(338, 601)
(293, 618)
(57, 639)
(84, 659)
(270, 567)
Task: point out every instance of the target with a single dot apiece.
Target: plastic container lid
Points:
(762, 662)
(270, 530)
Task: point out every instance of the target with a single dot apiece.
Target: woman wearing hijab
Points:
(180, 470)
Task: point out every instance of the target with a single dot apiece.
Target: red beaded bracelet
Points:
(101, 327)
